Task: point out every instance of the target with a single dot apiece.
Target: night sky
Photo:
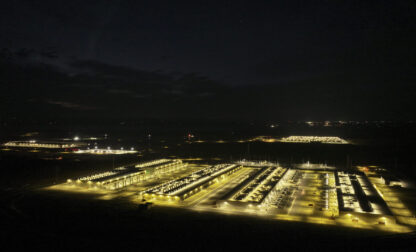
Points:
(251, 60)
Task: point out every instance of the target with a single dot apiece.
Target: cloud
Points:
(70, 105)
(113, 91)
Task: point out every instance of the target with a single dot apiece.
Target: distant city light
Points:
(314, 139)
(310, 123)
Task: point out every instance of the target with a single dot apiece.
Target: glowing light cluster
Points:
(319, 196)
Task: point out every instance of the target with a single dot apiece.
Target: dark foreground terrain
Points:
(44, 220)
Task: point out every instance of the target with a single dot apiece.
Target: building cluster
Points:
(276, 190)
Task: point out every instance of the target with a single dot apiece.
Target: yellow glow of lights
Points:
(312, 203)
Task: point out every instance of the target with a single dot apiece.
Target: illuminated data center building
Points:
(128, 175)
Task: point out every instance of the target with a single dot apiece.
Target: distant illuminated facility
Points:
(301, 139)
(105, 151)
(45, 145)
(314, 139)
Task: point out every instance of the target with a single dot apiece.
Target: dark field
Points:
(68, 222)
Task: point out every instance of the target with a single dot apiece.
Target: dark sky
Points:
(255, 58)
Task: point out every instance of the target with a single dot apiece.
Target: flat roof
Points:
(119, 173)
(155, 165)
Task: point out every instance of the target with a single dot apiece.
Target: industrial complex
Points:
(314, 193)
